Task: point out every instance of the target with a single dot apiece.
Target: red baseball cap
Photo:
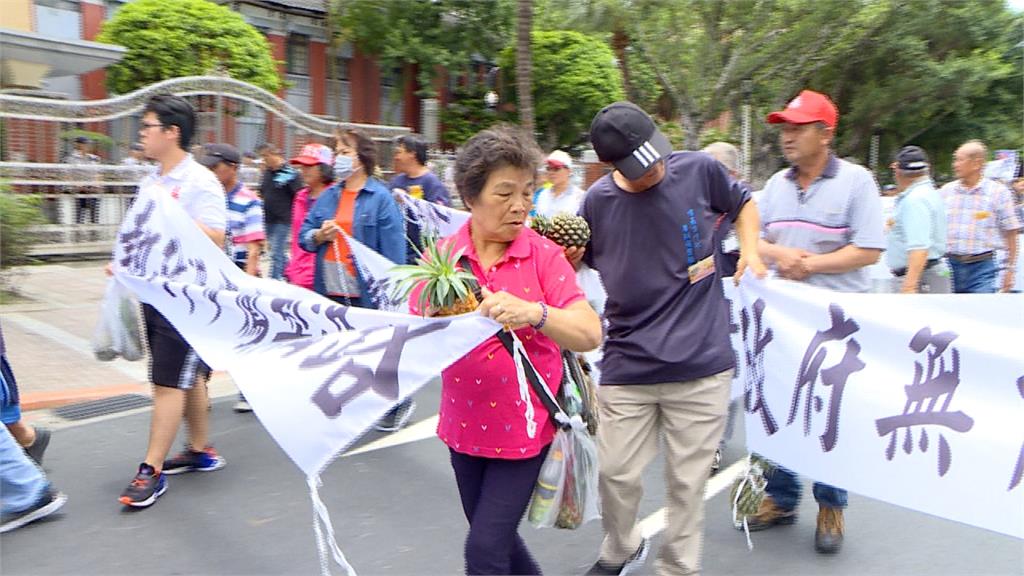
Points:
(807, 107)
(313, 154)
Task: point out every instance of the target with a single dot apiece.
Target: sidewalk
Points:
(48, 339)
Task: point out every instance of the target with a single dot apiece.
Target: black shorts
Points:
(172, 362)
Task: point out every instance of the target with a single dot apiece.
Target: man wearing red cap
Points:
(821, 223)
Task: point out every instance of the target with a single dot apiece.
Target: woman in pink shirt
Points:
(529, 285)
(316, 165)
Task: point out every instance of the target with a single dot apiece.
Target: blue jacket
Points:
(377, 222)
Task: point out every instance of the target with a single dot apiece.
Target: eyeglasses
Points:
(147, 126)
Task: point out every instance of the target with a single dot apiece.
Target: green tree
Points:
(913, 70)
(171, 38)
(574, 76)
(17, 213)
(433, 35)
(467, 114)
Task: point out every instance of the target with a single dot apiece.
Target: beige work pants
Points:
(691, 417)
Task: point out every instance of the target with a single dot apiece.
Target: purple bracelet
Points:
(543, 316)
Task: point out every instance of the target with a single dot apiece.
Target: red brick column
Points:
(94, 84)
(365, 83)
(410, 102)
(318, 77)
(31, 140)
(593, 172)
(275, 128)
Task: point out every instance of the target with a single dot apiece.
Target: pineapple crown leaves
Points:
(540, 224)
(437, 270)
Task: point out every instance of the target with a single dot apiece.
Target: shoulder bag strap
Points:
(508, 341)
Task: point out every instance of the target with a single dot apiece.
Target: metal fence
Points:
(84, 203)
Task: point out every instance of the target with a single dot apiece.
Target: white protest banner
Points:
(375, 270)
(433, 219)
(317, 374)
(915, 400)
(1003, 167)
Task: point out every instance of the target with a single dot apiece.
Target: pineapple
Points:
(568, 231)
(447, 288)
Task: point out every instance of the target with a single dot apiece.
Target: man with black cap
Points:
(917, 238)
(821, 222)
(245, 234)
(668, 361)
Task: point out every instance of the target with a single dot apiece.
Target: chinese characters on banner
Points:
(317, 373)
(914, 400)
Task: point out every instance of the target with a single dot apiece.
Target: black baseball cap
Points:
(912, 159)
(214, 154)
(627, 137)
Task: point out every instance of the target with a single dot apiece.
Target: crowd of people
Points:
(666, 227)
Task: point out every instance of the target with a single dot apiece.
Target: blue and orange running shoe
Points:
(147, 486)
(194, 461)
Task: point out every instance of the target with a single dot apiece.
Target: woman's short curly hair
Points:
(489, 150)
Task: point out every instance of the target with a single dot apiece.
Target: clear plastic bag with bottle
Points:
(565, 495)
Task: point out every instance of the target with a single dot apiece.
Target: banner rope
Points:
(736, 503)
(524, 385)
(323, 541)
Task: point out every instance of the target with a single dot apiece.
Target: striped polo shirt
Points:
(245, 221)
(840, 208)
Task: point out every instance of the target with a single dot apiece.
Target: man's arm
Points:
(439, 192)
(788, 261)
(916, 261)
(748, 230)
(212, 233)
(252, 258)
(1011, 260)
(847, 258)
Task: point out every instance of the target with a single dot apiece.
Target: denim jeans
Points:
(22, 483)
(278, 239)
(974, 278)
(785, 489)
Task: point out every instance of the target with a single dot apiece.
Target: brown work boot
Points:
(768, 515)
(828, 538)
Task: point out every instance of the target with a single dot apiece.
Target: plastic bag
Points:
(566, 492)
(117, 333)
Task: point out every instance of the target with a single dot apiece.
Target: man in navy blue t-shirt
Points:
(668, 361)
(419, 182)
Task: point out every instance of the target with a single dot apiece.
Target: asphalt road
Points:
(396, 511)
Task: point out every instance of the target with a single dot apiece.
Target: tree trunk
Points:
(524, 64)
(620, 41)
(691, 129)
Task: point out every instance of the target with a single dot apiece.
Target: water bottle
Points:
(547, 485)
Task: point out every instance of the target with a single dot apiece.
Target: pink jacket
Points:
(302, 264)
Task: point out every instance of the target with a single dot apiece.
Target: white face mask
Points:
(342, 166)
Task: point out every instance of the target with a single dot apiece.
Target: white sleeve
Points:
(208, 204)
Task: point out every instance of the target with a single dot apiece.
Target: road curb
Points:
(57, 398)
(220, 385)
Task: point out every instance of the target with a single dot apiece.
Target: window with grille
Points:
(298, 54)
